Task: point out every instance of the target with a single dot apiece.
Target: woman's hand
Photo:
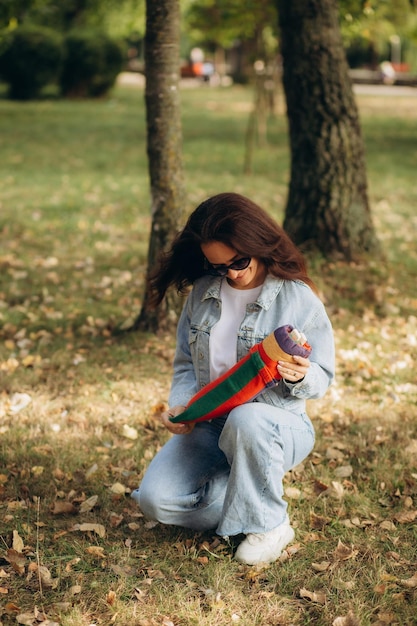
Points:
(293, 371)
(176, 429)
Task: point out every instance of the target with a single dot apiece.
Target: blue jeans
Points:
(227, 474)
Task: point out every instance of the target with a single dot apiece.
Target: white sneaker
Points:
(265, 547)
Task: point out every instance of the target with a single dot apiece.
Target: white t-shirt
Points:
(223, 337)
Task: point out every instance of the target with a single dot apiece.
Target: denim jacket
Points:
(280, 302)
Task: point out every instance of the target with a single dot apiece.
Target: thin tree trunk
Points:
(164, 140)
(328, 206)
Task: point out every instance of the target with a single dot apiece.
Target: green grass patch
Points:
(77, 399)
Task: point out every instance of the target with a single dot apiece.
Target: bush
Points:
(92, 61)
(30, 58)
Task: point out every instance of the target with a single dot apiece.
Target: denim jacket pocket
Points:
(198, 339)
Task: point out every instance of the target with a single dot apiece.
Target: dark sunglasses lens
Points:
(241, 264)
(221, 270)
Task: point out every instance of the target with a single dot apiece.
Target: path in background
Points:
(138, 80)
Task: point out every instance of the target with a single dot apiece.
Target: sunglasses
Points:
(221, 270)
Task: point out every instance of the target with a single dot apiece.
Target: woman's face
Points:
(218, 253)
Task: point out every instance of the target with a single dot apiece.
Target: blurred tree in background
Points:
(116, 18)
(232, 32)
(371, 30)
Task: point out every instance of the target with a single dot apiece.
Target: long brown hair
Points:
(240, 224)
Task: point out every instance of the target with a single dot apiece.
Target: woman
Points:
(227, 474)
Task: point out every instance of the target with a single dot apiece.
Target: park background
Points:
(79, 396)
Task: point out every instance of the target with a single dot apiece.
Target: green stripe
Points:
(222, 392)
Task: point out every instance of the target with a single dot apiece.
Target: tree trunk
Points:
(328, 206)
(164, 140)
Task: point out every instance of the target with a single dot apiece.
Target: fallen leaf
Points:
(97, 551)
(19, 401)
(318, 522)
(317, 597)
(293, 493)
(336, 490)
(111, 597)
(411, 583)
(319, 487)
(320, 567)
(343, 471)
(343, 553)
(31, 360)
(129, 432)
(64, 508)
(37, 470)
(94, 528)
(120, 570)
(46, 578)
(88, 504)
(116, 520)
(92, 470)
(406, 517)
(150, 524)
(411, 449)
(348, 620)
(28, 619)
(69, 565)
(11, 608)
(118, 489)
(16, 560)
(18, 544)
(333, 453)
(139, 594)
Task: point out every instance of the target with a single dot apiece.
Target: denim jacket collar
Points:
(271, 287)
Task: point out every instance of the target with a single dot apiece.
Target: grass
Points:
(77, 401)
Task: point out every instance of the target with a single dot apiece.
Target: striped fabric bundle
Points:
(248, 378)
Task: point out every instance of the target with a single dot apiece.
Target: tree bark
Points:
(164, 140)
(328, 206)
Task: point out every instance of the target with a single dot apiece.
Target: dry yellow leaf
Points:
(111, 597)
(406, 517)
(46, 578)
(320, 567)
(31, 360)
(293, 493)
(63, 508)
(93, 528)
(411, 583)
(16, 560)
(18, 544)
(88, 504)
(319, 597)
(118, 489)
(347, 620)
(97, 551)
